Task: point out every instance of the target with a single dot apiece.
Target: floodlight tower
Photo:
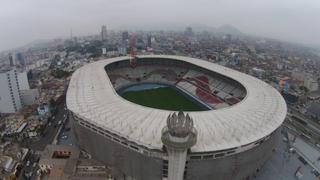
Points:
(178, 136)
(133, 50)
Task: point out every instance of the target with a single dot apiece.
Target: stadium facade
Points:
(232, 138)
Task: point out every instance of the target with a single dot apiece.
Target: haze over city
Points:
(160, 90)
(28, 20)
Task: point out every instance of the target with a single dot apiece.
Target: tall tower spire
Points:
(178, 136)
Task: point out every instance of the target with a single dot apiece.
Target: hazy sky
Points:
(22, 21)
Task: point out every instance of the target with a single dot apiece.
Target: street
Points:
(38, 144)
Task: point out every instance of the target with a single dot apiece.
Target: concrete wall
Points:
(235, 167)
(127, 161)
(142, 167)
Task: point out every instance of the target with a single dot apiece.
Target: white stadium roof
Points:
(92, 97)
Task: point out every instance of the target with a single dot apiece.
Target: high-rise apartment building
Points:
(149, 41)
(125, 36)
(11, 60)
(23, 80)
(104, 33)
(10, 99)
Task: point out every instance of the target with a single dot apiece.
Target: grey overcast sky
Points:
(22, 21)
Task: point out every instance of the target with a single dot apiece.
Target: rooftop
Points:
(60, 159)
(92, 97)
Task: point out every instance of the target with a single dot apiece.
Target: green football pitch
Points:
(165, 98)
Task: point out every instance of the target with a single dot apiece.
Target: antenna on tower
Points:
(133, 51)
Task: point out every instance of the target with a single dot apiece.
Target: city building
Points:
(298, 75)
(122, 51)
(64, 162)
(314, 110)
(11, 60)
(43, 109)
(28, 97)
(311, 84)
(11, 157)
(103, 33)
(259, 73)
(7, 163)
(58, 161)
(125, 36)
(14, 125)
(21, 60)
(10, 98)
(104, 51)
(305, 79)
(149, 41)
(188, 32)
(23, 80)
(232, 137)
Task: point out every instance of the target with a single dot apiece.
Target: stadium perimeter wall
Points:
(130, 164)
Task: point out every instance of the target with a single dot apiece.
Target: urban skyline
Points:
(292, 21)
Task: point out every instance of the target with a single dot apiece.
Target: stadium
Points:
(119, 113)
